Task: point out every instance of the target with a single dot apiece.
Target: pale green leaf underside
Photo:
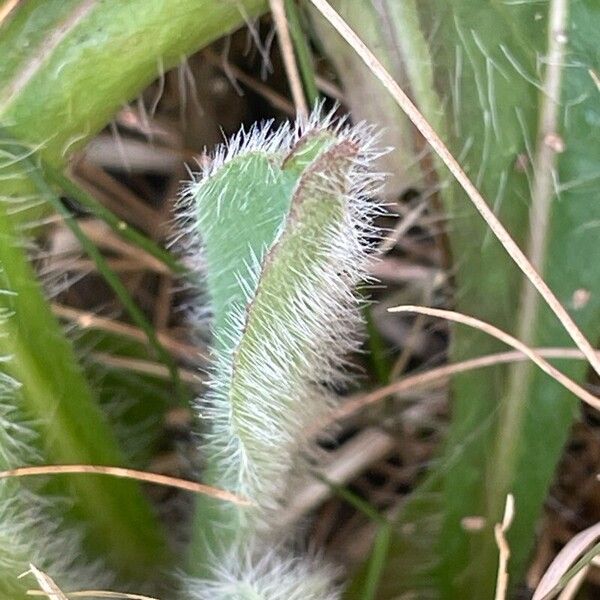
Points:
(241, 211)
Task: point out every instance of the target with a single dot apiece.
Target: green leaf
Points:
(56, 399)
(69, 65)
(282, 219)
(571, 266)
(256, 186)
(528, 415)
(490, 63)
(493, 122)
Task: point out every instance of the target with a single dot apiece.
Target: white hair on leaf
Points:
(269, 575)
(275, 363)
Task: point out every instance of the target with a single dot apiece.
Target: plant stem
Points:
(303, 53)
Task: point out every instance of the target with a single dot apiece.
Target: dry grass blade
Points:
(156, 478)
(145, 367)
(454, 167)
(490, 329)
(7, 8)
(572, 588)
(97, 594)
(49, 587)
(89, 320)
(440, 374)
(565, 559)
(271, 96)
(289, 59)
(500, 530)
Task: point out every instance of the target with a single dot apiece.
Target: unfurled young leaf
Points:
(285, 223)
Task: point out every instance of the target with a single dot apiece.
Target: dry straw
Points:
(454, 167)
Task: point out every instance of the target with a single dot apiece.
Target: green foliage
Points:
(490, 64)
(66, 68)
(69, 65)
(283, 224)
(55, 398)
(283, 230)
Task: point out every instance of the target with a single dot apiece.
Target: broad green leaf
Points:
(481, 49)
(571, 265)
(489, 61)
(527, 423)
(69, 65)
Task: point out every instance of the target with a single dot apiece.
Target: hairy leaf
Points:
(283, 220)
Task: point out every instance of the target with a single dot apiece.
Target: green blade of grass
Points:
(378, 557)
(122, 229)
(69, 65)
(379, 361)
(303, 53)
(45, 191)
(72, 429)
(353, 499)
